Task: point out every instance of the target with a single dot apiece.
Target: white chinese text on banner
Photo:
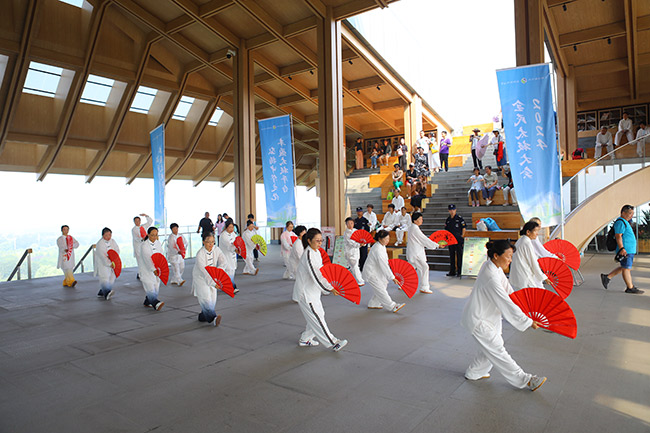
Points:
(157, 137)
(529, 123)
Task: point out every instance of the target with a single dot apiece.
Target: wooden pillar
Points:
(331, 141)
(566, 113)
(412, 124)
(529, 32)
(244, 144)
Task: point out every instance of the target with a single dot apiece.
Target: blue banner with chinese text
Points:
(529, 123)
(157, 137)
(278, 168)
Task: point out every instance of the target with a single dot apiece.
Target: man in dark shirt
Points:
(456, 225)
(205, 226)
(362, 223)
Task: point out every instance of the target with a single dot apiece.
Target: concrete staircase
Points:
(358, 192)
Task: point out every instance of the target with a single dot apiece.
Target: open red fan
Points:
(565, 251)
(547, 308)
(558, 274)
(222, 280)
(239, 243)
(181, 246)
(343, 281)
(363, 237)
(143, 233)
(160, 262)
(326, 258)
(114, 257)
(406, 274)
(443, 238)
(293, 239)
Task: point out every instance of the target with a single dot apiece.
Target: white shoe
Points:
(341, 344)
(487, 376)
(505, 204)
(158, 306)
(396, 243)
(215, 322)
(397, 307)
(375, 308)
(308, 343)
(489, 202)
(535, 382)
(427, 291)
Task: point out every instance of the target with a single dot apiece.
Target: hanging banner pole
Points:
(157, 137)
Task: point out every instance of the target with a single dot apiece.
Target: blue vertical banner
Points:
(157, 137)
(276, 140)
(529, 123)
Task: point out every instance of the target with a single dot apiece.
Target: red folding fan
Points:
(143, 233)
(343, 281)
(443, 238)
(558, 274)
(181, 246)
(239, 243)
(222, 280)
(160, 262)
(565, 251)
(294, 239)
(326, 258)
(547, 308)
(115, 258)
(69, 245)
(363, 237)
(406, 274)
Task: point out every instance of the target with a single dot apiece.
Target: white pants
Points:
(151, 284)
(640, 147)
(493, 353)
(249, 268)
(619, 134)
(598, 149)
(399, 234)
(420, 264)
(353, 263)
(177, 268)
(106, 278)
(380, 297)
(207, 297)
(316, 326)
(507, 190)
(288, 275)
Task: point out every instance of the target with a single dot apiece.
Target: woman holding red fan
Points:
(377, 272)
(539, 246)
(352, 253)
(148, 272)
(230, 251)
(104, 267)
(482, 317)
(296, 253)
(176, 255)
(310, 285)
(415, 253)
(525, 270)
(203, 286)
(67, 245)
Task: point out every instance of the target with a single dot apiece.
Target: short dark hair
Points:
(627, 208)
(250, 215)
(370, 205)
(415, 216)
(498, 247)
(136, 218)
(64, 225)
(171, 227)
(106, 230)
(299, 229)
(391, 206)
(229, 222)
(381, 234)
(528, 227)
(249, 223)
(348, 219)
(152, 228)
(287, 223)
(311, 234)
(488, 166)
(396, 165)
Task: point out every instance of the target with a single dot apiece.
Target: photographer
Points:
(625, 250)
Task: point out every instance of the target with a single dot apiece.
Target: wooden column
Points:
(244, 144)
(330, 123)
(529, 32)
(566, 112)
(412, 124)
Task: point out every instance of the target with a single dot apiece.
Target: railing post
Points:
(18, 274)
(190, 242)
(82, 267)
(29, 265)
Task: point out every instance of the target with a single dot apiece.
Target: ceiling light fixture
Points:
(289, 77)
(358, 92)
(564, 7)
(575, 48)
(378, 88)
(609, 41)
(350, 62)
(311, 71)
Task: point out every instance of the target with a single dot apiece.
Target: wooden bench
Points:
(497, 200)
(509, 223)
(407, 205)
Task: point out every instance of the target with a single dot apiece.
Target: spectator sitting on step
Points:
(411, 180)
(624, 127)
(477, 184)
(398, 200)
(416, 200)
(509, 187)
(421, 164)
(604, 137)
(374, 155)
(391, 220)
(371, 216)
(398, 177)
(387, 151)
(490, 180)
(404, 222)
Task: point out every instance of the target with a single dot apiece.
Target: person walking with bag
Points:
(625, 250)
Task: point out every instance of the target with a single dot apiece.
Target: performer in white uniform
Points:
(203, 286)
(104, 268)
(390, 220)
(139, 234)
(371, 216)
(352, 253)
(537, 243)
(398, 201)
(603, 138)
(250, 247)
(174, 256)
(296, 252)
(309, 287)
(285, 247)
(404, 222)
(226, 244)
(624, 127)
(415, 253)
(148, 272)
(525, 271)
(377, 272)
(643, 131)
(66, 262)
(482, 317)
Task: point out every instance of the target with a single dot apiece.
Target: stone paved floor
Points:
(70, 362)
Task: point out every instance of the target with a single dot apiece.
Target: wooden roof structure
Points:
(180, 48)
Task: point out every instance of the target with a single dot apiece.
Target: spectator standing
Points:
(625, 250)
(490, 180)
(474, 139)
(205, 226)
(624, 127)
(499, 144)
(455, 224)
(643, 131)
(362, 223)
(402, 153)
(218, 226)
(358, 150)
(434, 162)
(445, 144)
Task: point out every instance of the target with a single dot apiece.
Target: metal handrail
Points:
(26, 254)
(81, 262)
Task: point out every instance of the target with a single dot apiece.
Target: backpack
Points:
(491, 224)
(611, 237)
(578, 153)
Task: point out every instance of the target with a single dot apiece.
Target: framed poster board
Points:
(474, 255)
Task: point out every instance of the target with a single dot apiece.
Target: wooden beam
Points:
(299, 27)
(228, 178)
(290, 100)
(211, 24)
(632, 46)
(390, 104)
(274, 70)
(612, 30)
(368, 105)
(365, 83)
(353, 7)
(600, 68)
(226, 144)
(317, 7)
(552, 33)
(295, 68)
(74, 93)
(603, 94)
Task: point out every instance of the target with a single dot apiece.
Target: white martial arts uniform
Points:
(309, 287)
(352, 255)
(398, 202)
(150, 282)
(482, 317)
(294, 259)
(389, 221)
(175, 258)
(434, 158)
(524, 269)
(507, 190)
(404, 222)
(103, 268)
(372, 219)
(540, 250)
(203, 286)
(640, 145)
(285, 250)
(416, 255)
(624, 127)
(603, 140)
(377, 272)
(250, 247)
(226, 244)
(66, 259)
(138, 237)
